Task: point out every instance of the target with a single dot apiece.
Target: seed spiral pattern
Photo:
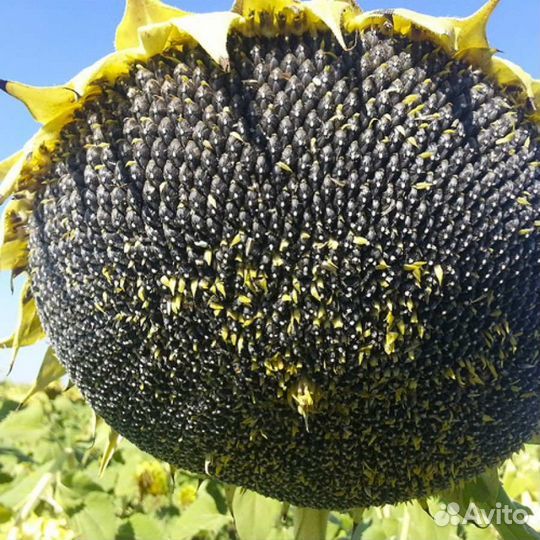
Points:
(315, 275)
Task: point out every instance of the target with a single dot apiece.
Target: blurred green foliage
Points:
(50, 487)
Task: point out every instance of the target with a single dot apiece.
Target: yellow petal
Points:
(35, 152)
(29, 329)
(14, 255)
(13, 237)
(8, 163)
(210, 30)
(536, 99)
(247, 8)
(109, 67)
(51, 370)
(154, 38)
(268, 18)
(96, 422)
(470, 33)
(44, 103)
(400, 21)
(112, 444)
(140, 13)
(452, 34)
(439, 274)
(8, 185)
(510, 74)
(535, 87)
(330, 13)
(9, 182)
(48, 104)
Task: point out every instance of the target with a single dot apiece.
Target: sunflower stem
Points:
(310, 523)
(508, 529)
(489, 496)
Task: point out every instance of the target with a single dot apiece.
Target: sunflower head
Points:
(293, 246)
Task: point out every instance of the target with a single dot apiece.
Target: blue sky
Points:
(46, 43)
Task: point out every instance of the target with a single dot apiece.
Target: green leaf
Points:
(359, 530)
(96, 519)
(215, 489)
(41, 490)
(6, 407)
(520, 473)
(51, 370)
(310, 523)
(403, 521)
(20, 488)
(255, 516)
(146, 527)
(5, 514)
(202, 515)
(25, 425)
(72, 490)
(334, 525)
(66, 497)
(281, 533)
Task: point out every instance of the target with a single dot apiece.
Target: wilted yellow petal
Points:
(470, 33)
(210, 30)
(8, 163)
(535, 87)
(9, 181)
(34, 153)
(109, 68)
(96, 422)
(29, 329)
(247, 7)
(536, 99)
(44, 103)
(112, 444)
(14, 255)
(510, 74)
(439, 273)
(403, 21)
(154, 38)
(51, 370)
(268, 18)
(13, 236)
(139, 13)
(455, 35)
(330, 13)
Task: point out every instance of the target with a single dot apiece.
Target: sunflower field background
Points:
(51, 488)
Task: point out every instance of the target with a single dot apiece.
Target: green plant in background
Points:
(51, 486)
(291, 248)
